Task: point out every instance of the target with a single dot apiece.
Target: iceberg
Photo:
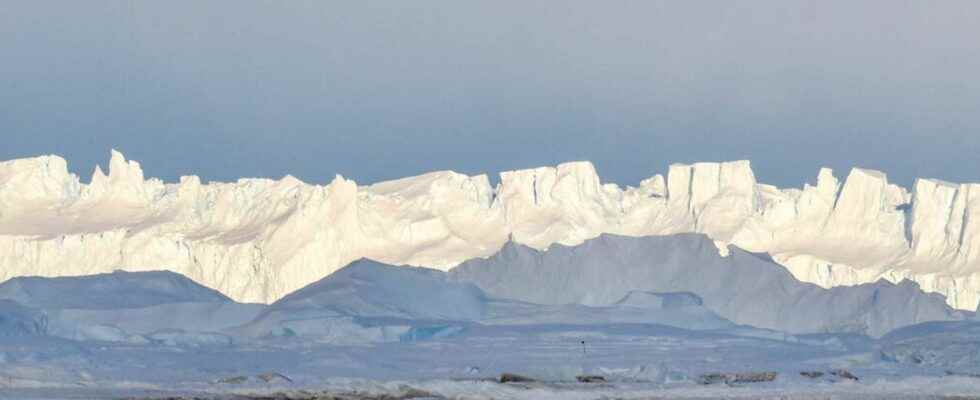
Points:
(256, 240)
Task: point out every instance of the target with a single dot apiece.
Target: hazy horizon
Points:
(377, 91)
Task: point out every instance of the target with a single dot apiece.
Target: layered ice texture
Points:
(256, 240)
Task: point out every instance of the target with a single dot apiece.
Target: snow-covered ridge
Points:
(370, 322)
(256, 240)
(742, 287)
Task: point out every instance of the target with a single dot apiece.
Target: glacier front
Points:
(256, 240)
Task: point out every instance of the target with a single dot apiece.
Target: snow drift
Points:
(257, 240)
(743, 287)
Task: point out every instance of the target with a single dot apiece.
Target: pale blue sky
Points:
(380, 90)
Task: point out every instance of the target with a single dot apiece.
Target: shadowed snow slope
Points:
(17, 320)
(370, 289)
(368, 301)
(121, 306)
(371, 301)
(257, 240)
(108, 291)
(743, 287)
(682, 310)
(952, 346)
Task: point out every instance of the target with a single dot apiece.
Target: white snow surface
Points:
(256, 240)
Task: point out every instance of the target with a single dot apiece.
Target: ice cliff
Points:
(256, 240)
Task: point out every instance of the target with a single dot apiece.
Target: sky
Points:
(377, 90)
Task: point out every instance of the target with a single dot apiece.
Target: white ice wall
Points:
(257, 239)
